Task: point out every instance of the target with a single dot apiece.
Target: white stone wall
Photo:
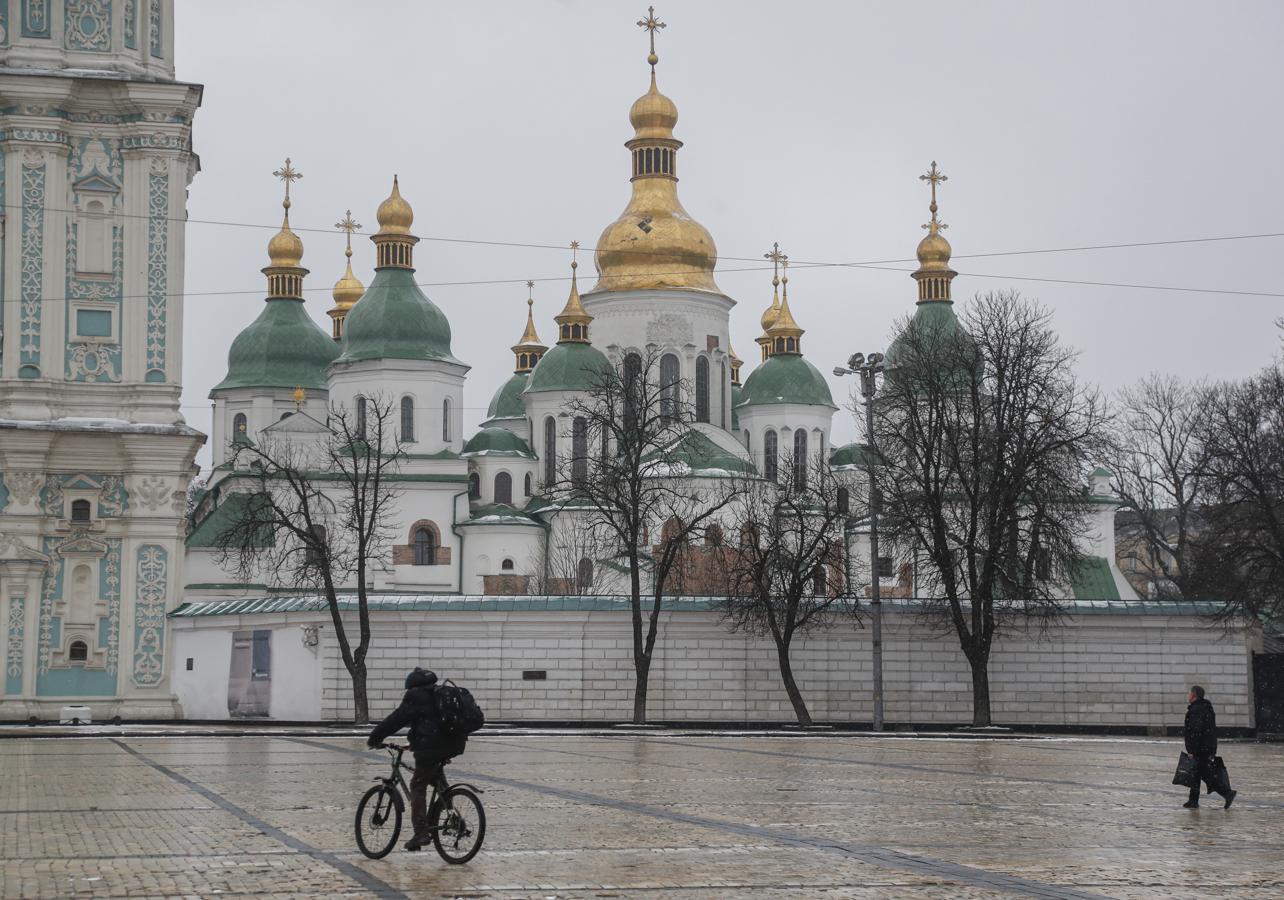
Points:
(1096, 670)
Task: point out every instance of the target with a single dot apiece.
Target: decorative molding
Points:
(157, 141)
(149, 615)
(12, 548)
(93, 362)
(156, 34)
(35, 18)
(131, 24)
(87, 25)
(34, 136)
(113, 498)
(4, 24)
(15, 643)
(157, 266)
(151, 491)
(32, 258)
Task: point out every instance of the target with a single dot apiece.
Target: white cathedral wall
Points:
(1093, 670)
(486, 547)
(430, 383)
(756, 420)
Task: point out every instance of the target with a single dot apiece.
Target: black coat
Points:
(418, 712)
(1200, 730)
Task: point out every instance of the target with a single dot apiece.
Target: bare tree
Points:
(1159, 464)
(984, 436)
(1244, 517)
(567, 563)
(635, 465)
(318, 517)
(786, 576)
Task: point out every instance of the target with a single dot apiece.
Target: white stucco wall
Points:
(202, 692)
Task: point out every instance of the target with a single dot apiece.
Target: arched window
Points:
(713, 536)
(579, 451)
(425, 547)
(672, 528)
(769, 451)
(702, 389)
(504, 488)
(844, 500)
(445, 420)
(474, 486)
(80, 511)
(78, 652)
(800, 458)
(819, 585)
(315, 550)
(361, 417)
(550, 451)
(632, 389)
(584, 576)
(239, 424)
(668, 387)
(408, 419)
(528, 485)
(820, 444)
(506, 565)
(722, 393)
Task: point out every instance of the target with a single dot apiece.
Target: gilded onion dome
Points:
(528, 348)
(573, 321)
(655, 243)
(348, 289)
(934, 273)
(785, 333)
(772, 312)
(394, 214)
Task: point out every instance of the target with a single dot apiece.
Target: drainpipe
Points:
(454, 529)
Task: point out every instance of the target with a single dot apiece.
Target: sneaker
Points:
(420, 839)
(1230, 798)
(1189, 804)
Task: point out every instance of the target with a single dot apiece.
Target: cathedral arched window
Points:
(844, 501)
(722, 394)
(584, 575)
(474, 486)
(528, 485)
(317, 548)
(408, 419)
(94, 252)
(361, 417)
(800, 458)
(425, 547)
(504, 488)
(668, 387)
(445, 420)
(579, 451)
(702, 389)
(78, 651)
(239, 424)
(550, 451)
(80, 511)
(769, 452)
(632, 390)
(506, 565)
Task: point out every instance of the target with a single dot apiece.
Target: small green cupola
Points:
(283, 347)
(784, 376)
(394, 319)
(574, 364)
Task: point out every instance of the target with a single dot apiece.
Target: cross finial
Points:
(530, 293)
(934, 177)
(777, 258)
(575, 251)
(652, 25)
(288, 174)
(348, 225)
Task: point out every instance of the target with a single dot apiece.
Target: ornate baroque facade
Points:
(95, 458)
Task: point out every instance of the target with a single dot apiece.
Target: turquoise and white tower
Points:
(95, 458)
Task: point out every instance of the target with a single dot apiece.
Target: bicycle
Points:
(456, 818)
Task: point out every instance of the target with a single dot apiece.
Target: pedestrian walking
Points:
(1200, 732)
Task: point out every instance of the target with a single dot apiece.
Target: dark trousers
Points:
(1204, 775)
(429, 770)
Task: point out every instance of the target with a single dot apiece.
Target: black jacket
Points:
(1200, 730)
(418, 712)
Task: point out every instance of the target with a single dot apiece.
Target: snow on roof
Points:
(88, 423)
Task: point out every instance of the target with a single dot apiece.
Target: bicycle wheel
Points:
(459, 825)
(378, 821)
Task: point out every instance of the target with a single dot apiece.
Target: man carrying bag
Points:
(1200, 732)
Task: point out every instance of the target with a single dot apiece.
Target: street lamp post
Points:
(868, 367)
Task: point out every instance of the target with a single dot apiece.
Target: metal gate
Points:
(1268, 691)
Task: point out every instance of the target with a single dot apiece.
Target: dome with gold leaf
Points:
(286, 248)
(394, 214)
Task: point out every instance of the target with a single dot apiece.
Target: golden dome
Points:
(771, 312)
(934, 273)
(573, 321)
(653, 115)
(285, 250)
(934, 251)
(348, 289)
(394, 214)
(784, 324)
(529, 337)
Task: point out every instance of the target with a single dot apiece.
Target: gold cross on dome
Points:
(776, 258)
(348, 224)
(288, 174)
(575, 253)
(652, 25)
(934, 177)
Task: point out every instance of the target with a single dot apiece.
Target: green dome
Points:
(786, 378)
(852, 455)
(507, 402)
(568, 367)
(395, 320)
(496, 441)
(936, 318)
(282, 348)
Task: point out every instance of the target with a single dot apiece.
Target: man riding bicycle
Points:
(420, 711)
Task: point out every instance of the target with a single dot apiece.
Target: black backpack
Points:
(458, 713)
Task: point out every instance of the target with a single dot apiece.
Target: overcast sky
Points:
(1059, 125)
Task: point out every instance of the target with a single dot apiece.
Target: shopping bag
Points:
(1218, 777)
(1187, 774)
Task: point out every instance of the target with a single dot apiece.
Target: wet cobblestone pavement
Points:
(645, 816)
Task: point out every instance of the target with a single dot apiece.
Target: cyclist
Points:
(419, 712)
